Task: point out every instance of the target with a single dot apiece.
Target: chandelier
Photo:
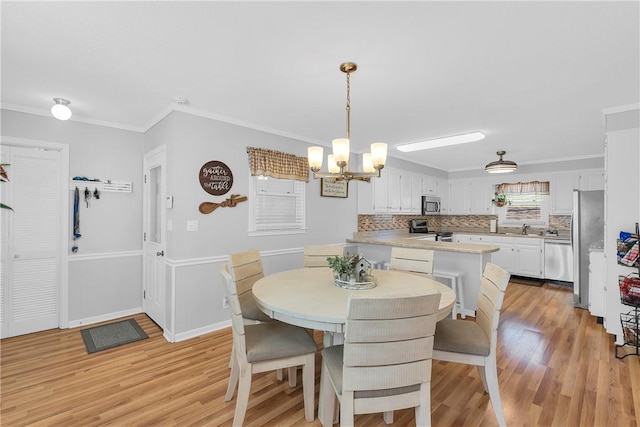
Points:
(337, 163)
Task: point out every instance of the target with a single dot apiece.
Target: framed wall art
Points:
(332, 188)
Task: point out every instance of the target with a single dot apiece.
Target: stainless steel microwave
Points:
(430, 205)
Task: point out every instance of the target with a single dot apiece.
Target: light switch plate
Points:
(192, 225)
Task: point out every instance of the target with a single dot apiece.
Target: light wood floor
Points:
(557, 368)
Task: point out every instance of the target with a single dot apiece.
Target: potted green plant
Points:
(500, 200)
(343, 266)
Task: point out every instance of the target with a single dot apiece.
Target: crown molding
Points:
(74, 118)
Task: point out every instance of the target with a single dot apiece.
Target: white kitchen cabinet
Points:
(622, 210)
(461, 238)
(529, 257)
(562, 186)
(406, 192)
(480, 196)
(506, 256)
(470, 197)
(522, 256)
(443, 192)
(394, 187)
(380, 191)
(592, 180)
(459, 199)
(597, 292)
(411, 193)
(429, 185)
(396, 192)
(417, 182)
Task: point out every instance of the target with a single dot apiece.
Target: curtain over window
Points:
(526, 202)
(277, 164)
(533, 187)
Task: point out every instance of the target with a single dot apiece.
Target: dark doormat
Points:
(112, 335)
(527, 281)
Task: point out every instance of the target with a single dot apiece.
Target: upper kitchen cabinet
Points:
(393, 192)
(470, 197)
(429, 185)
(562, 186)
(592, 179)
(394, 188)
(396, 191)
(481, 194)
(380, 191)
(414, 202)
(459, 200)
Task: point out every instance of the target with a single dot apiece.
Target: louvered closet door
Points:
(30, 242)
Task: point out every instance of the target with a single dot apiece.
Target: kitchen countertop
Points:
(404, 239)
(530, 236)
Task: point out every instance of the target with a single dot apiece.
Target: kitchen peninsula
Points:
(468, 259)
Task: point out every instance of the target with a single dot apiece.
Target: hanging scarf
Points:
(76, 214)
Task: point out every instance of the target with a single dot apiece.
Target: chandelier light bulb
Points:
(60, 109)
(367, 164)
(314, 155)
(332, 165)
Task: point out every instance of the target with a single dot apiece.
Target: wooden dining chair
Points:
(247, 269)
(416, 261)
(266, 347)
(316, 255)
(385, 361)
(475, 343)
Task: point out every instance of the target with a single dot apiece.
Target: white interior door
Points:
(154, 292)
(30, 266)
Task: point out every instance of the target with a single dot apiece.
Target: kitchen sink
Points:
(520, 234)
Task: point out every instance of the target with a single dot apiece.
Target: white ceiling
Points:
(533, 76)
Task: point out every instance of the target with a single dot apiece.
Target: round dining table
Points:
(308, 297)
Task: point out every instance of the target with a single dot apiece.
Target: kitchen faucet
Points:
(524, 228)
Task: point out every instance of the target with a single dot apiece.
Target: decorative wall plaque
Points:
(331, 188)
(216, 178)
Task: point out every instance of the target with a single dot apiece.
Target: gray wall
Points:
(194, 258)
(99, 284)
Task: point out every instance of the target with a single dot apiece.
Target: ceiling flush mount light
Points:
(442, 142)
(501, 166)
(60, 109)
(372, 163)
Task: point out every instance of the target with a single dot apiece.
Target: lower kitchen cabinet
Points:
(521, 256)
(529, 257)
(506, 256)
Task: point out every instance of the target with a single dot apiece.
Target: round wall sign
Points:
(216, 178)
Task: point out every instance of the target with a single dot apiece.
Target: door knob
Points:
(161, 253)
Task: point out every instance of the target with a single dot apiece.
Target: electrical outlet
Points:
(225, 302)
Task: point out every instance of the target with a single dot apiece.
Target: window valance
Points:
(533, 187)
(277, 164)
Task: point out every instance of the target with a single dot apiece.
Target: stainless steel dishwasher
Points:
(558, 260)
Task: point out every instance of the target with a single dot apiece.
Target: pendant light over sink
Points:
(501, 166)
(372, 163)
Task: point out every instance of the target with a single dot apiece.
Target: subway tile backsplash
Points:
(459, 223)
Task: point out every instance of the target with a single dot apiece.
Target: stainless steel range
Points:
(422, 226)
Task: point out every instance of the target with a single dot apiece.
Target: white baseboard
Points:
(104, 317)
(201, 331)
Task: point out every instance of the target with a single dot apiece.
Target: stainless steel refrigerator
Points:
(587, 230)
